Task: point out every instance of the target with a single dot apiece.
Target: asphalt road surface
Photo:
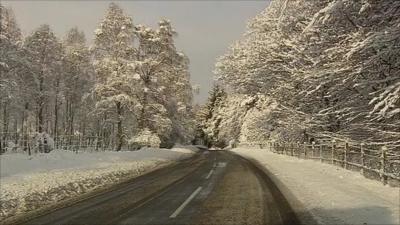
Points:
(214, 187)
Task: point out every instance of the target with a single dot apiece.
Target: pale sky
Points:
(205, 28)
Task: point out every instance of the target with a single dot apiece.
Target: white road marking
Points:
(210, 173)
(180, 208)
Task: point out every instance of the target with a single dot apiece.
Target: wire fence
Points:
(42, 143)
(374, 161)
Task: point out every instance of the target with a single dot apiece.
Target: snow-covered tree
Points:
(149, 58)
(357, 60)
(210, 117)
(45, 52)
(117, 82)
(131, 84)
(11, 60)
(331, 67)
(167, 94)
(77, 81)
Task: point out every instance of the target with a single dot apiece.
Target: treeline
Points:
(130, 87)
(308, 70)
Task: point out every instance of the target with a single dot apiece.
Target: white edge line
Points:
(181, 207)
(210, 173)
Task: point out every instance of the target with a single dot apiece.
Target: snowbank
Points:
(29, 183)
(331, 195)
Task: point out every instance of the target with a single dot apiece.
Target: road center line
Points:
(210, 173)
(180, 208)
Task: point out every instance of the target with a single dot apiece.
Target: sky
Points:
(205, 28)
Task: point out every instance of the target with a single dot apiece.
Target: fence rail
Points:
(376, 162)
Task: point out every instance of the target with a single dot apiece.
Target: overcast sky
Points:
(205, 28)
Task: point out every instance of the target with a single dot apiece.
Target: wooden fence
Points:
(373, 161)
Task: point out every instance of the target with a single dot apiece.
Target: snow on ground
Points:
(31, 182)
(331, 195)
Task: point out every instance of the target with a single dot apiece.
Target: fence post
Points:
(312, 148)
(320, 153)
(346, 149)
(291, 148)
(333, 152)
(305, 149)
(383, 161)
(62, 143)
(285, 148)
(80, 142)
(278, 148)
(28, 143)
(97, 143)
(362, 158)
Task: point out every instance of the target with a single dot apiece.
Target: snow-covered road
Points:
(329, 194)
(31, 182)
(235, 192)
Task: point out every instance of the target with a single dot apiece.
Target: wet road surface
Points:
(214, 187)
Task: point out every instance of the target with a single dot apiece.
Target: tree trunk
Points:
(41, 106)
(66, 117)
(71, 119)
(142, 122)
(55, 128)
(5, 126)
(16, 137)
(83, 129)
(104, 132)
(24, 127)
(119, 127)
(70, 122)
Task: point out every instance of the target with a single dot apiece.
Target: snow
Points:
(331, 195)
(98, 31)
(136, 76)
(146, 138)
(31, 182)
(321, 56)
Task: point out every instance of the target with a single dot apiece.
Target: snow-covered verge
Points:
(331, 195)
(29, 183)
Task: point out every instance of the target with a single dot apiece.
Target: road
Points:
(215, 187)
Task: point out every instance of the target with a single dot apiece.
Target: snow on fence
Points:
(373, 161)
(35, 142)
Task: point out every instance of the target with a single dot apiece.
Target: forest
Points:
(304, 71)
(129, 88)
(309, 71)
(301, 124)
